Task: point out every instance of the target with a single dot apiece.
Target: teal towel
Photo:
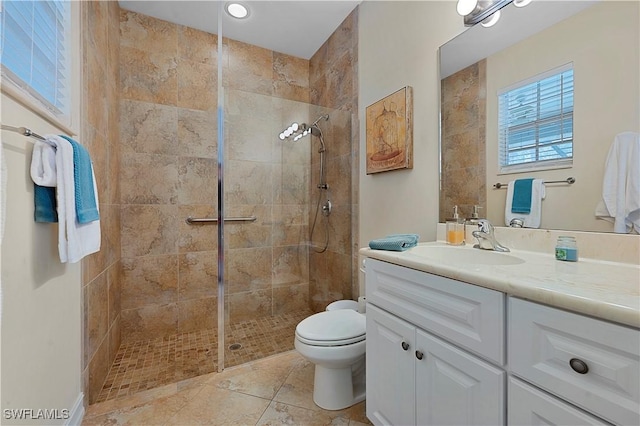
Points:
(45, 204)
(395, 242)
(86, 208)
(521, 202)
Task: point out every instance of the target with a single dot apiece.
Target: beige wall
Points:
(398, 46)
(41, 298)
(41, 359)
(603, 44)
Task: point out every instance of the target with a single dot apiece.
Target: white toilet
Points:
(335, 342)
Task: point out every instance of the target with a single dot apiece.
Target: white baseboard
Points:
(77, 412)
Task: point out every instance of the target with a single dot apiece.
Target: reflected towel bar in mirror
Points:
(568, 180)
(192, 220)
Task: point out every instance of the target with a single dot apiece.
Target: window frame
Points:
(538, 165)
(68, 122)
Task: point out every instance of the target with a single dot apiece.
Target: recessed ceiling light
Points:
(237, 10)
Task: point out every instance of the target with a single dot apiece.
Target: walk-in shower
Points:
(297, 132)
(197, 296)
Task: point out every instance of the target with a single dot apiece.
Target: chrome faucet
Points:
(486, 237)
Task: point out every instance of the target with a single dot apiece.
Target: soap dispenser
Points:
(455, 229)
(475, 217)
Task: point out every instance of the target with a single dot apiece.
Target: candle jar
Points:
(567, 249)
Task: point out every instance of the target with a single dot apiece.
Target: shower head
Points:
(298, 131)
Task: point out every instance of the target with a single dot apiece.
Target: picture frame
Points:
(389, 132)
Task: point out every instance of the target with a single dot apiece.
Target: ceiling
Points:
(297, 28)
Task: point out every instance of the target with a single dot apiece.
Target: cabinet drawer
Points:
(543, 341)
(467, 315)
(531, 406)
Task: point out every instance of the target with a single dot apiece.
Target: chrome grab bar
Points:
(192, 220)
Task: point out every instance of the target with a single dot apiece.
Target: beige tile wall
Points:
(100, 271)
(169, 171)
(333, 77)
(463, 141)
(168, 147)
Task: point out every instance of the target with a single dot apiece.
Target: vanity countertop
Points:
(602, 289)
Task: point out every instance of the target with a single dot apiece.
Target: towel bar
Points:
(192, 220)
(23, 131)
(569, 180)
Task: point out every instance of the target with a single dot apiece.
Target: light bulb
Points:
(282, 136)
(491, 20)
(521, 3)
(465, 7)
(295, 126)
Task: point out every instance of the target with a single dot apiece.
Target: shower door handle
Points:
(192, 220)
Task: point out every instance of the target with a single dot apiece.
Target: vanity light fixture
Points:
(521, 3)
(491, 20)
(237, 10)
(486, 12)
(465, 7)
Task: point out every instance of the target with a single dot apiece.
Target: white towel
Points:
(75, 240)
(620, 202)
(531, 220)
(43, 164)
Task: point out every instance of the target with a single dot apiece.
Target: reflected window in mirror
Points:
(535, 122)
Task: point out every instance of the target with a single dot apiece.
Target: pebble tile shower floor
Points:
(143, 365)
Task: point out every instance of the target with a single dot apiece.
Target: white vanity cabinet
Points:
(438, 353)
(414, 375)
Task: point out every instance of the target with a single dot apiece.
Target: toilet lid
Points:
(332, 327)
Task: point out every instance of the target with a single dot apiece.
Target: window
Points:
(34, 50)
(535, 122)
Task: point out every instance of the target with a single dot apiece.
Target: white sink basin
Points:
(462, 255)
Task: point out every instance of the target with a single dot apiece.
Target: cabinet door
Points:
(390, 369)
(454, 387)
(530, 406)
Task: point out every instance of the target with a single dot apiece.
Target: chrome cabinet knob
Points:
(405, 346)
(419, 355)
(579, 366)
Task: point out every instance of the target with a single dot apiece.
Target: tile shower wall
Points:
(100, 122)
(168, 94)
(333, 74)
(463, 141)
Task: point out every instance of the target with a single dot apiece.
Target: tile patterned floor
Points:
(272, 391)
(140, 366)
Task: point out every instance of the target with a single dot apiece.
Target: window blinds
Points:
(34, 49)
(535, 121)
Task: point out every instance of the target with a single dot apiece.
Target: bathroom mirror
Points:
(601, 40)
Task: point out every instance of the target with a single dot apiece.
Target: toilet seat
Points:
(332, 328)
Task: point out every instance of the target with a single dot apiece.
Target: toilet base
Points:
(335, 388)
